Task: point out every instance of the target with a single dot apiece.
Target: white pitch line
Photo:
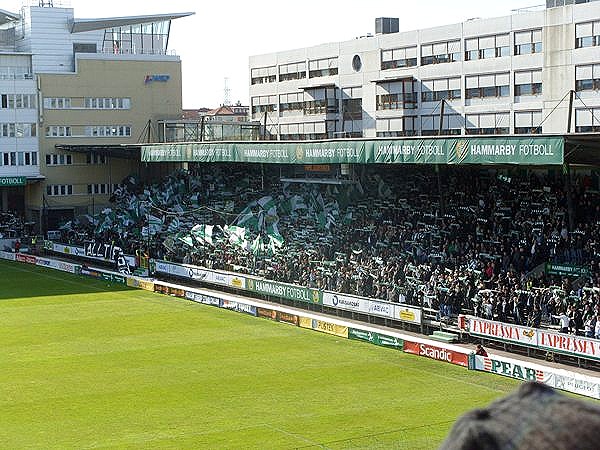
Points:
(297, 436)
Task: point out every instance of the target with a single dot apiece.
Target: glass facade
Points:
(142, 39)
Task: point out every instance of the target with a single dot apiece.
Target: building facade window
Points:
(18, 130)
(58, 160)
(587, 34)
(587, 78)
(262, 75)
(95, 158)
(323, 67)
(107, 103)
(55, 190)
(398, 58)
(291, 104)
(487, 123)
(452, 125)
(263, 103)
(528, 82)
(102, 188)
(58, 131)
(397, 126)
(440, 89)
(587, 120)
(321, 101)
(19, 159)
(57, 103)
(528, 42)
(487, 47)
(306, 131)
(441, 52)
(293, 71)
(18, 101)
(487, 86)
(399, 94)
(528, 122)
(352, 104)
(108, 130)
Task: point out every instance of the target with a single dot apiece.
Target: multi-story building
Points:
(75, 91)
(505, 75)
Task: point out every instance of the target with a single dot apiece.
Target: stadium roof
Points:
(82, 25)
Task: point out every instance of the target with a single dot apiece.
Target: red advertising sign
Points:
(439, 353)
(567, 343)
(22, 257)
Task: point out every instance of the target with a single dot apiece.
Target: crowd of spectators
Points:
(470, 240)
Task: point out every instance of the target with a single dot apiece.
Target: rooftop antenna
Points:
(226, 93)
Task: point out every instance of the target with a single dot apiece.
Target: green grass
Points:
(85, 365)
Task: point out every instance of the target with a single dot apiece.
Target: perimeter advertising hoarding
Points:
(547, 150)
(437, 353)
(379, 308)
(324, 327)
(502, 331)
(200, 274)
(375, 338)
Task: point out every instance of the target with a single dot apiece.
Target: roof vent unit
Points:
(387, 25)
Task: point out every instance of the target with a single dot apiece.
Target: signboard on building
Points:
(13, 181)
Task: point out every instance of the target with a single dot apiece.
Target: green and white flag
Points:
(186, 239)
(268, 204)
(203, 234)
(236, 235)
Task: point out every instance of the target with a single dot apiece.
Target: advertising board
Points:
(437, 353)
(324, 327)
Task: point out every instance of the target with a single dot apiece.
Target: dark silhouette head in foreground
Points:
(535, 417)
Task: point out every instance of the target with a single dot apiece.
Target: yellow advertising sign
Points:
(324, 327)
(141, 284)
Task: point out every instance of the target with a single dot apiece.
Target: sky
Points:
(217, 41)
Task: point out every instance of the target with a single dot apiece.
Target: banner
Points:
(7, 255)
(200, 274)
(168, 290)
(141, 284)
(291, 319)
(282, 290)
(530, 150)
(346, 302)
(204, 299)
(239, 307)
(375, 338)
(502, 331)
(438, 353)
(58, 265)
(566, 270)
(410, 314)
(266, 313)
(89, 252)
(569, 344)
(324, 327)
(25, 258)
(512, 368)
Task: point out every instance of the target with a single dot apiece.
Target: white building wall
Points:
(557, 62)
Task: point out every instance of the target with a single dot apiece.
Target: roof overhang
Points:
(318, 86)
(122, 151)
(7, 17)
(83, 25)
(394, 78)
(582, 149)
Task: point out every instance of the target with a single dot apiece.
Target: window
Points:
(440, 89)
(398, 58)
(19, 159)
(58, 160)
(18, 101)
(487, 47)
(528, 83)
(57, 103)
(290, 104)
(587, 120)
(99, 188)
(528, 42)
(398, 94)
(587, 78)
(18, 130)
(293, 71)
(108, 130)
(442, 52)
(320, 101)
(352, 103)
(452, 125)
(58, 131)
(95, 158)
(587, 34)
(107, 103)
(264, 103)
(487, 86)
(487, 123)
(528, 122)
(305, 131)
(397, 126)
(261, 75)
(323, 67)
(59, 189)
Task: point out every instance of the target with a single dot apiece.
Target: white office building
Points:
(505, 75)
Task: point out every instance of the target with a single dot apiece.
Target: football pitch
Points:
(88, 365)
